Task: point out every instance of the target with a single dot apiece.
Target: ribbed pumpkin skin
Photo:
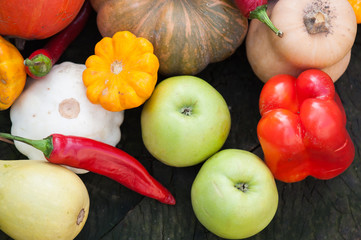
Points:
(36, 19)
(187, 35)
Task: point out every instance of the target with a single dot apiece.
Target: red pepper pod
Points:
(100, 158)
(104, 159)
(302, 130)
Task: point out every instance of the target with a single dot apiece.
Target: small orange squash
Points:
(12, 74)
(123, 72)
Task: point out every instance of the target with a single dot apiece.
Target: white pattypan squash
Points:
(58, 104)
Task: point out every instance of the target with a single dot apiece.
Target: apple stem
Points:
(242, 186)
(187, 111)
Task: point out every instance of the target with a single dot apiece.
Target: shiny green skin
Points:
(234, 195)
(185, 121)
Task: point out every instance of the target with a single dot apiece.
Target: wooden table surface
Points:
(308, 210)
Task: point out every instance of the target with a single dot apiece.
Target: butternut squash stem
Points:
(260, 13)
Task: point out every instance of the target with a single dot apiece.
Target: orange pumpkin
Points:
(12, 74)
(36, 19)
(123, 72)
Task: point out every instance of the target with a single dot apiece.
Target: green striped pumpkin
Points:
(187, 35)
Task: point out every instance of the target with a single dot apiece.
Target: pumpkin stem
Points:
(40, 65)
(260, 13)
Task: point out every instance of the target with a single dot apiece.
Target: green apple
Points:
(234, 194)
(185, 121)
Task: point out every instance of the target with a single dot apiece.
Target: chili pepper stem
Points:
(260, 13)
(43, 145)
(40, 65)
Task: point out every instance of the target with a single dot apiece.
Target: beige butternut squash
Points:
(317, 34)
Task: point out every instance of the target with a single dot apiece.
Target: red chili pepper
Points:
(257, 9)
(41, 61)
(100, 158)
(303, 127)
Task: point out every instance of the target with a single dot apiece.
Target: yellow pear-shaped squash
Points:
(41, 200)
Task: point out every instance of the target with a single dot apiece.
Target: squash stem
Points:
(45, 145)
(260, 13)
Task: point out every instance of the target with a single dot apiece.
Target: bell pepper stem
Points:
(260, 13)
(45, 145)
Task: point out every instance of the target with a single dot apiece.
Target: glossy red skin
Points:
(247, 6)
(303, 127)
(109, 161)
(38, 19)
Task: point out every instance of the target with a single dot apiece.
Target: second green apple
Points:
(185, 121)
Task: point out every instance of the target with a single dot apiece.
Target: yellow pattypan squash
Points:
(12, 74)
(123, 72)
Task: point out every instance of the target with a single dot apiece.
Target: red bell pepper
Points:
(302, 130)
